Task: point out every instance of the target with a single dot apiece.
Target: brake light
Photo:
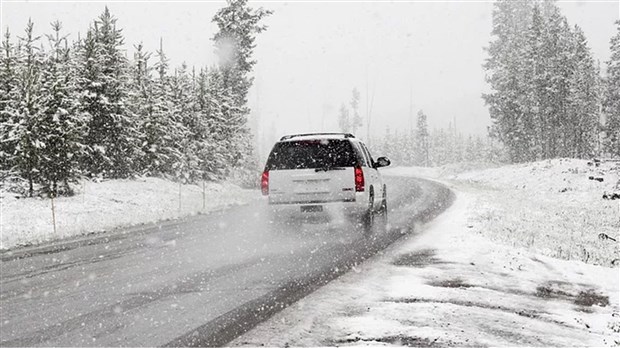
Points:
(264, 183)
(359, 179)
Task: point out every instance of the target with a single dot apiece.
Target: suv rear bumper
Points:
(311, 209)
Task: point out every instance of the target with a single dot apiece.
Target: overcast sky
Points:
(405, 55)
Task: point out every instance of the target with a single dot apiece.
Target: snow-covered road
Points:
(201, 281)
(453, 284)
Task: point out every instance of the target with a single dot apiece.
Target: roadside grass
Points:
(107, 205)
(551, 207)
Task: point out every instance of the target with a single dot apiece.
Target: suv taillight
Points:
(264, 183)
(359, 179)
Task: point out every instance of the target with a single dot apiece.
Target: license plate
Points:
(311, 208)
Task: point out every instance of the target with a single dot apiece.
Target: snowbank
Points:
(553, 207)
(451, 286)
(475, 276)
(108, 205)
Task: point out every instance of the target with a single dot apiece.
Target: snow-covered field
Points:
(552, 207)
(478, 275)
(108, 205)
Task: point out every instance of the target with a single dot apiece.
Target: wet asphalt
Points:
(200, 281)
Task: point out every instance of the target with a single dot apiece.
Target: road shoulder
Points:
(449, 285)
(105, 209)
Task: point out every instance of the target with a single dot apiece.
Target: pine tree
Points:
(238, 26)
(356, 119)
(438, 152)
(422, 141)
(23, 119)
(103, 81)
(545, 89)
(612, 97)
(459, 146)
(218, 147)
(140, 98)
(185, 170)
(8, 99)
(534, 100)
(472, 151)
(344, 119)
(506, 71)
(59, 127)
(160, 128)
(409, 147)
(210, 152)
(584, 99)
(564, 69)
(390, 146)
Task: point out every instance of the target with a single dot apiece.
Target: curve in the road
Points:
(429, 202)
(198, 282)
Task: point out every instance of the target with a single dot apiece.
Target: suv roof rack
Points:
(290, 136)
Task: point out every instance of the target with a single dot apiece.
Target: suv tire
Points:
(383, 212)
(368, 217)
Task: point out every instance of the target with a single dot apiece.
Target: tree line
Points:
(548, 98)
(420, 147)
(84, 109)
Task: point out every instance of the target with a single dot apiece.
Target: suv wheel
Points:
(368, 218)
(383, 212)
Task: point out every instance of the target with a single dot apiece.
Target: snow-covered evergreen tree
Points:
(103, 84)
(563, 67)
(390, 146)
(422, 141)
(544, 99)
(8, 99)
(612, 97)
(344, 119)
(140, 98)
(238, 26)
(438, 151)
(211, 151)
(217, 106)
(187, 122)
(409, 147)
(86, 103)
(542, 49)
(472, 150)
(22, 128)
(584, 99)
(506, 72)
(60, 126)
(161, 129)
(356, 119)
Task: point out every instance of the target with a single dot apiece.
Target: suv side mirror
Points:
(382, 162)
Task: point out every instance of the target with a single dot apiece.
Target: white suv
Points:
(323, 174)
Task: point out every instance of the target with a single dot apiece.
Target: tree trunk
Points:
(30, 185)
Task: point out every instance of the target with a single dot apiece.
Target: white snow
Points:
(102, 206)
(550, 206)
(454, 283)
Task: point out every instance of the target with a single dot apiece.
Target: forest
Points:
(549, 98)
(83, 109)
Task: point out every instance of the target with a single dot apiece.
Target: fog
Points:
(401, 56)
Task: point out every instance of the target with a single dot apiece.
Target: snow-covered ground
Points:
(552, 207)
(108, 205)
(477, 274)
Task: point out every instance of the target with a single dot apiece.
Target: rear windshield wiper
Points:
(325, 169)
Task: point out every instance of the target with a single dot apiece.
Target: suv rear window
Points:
(307, 154)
